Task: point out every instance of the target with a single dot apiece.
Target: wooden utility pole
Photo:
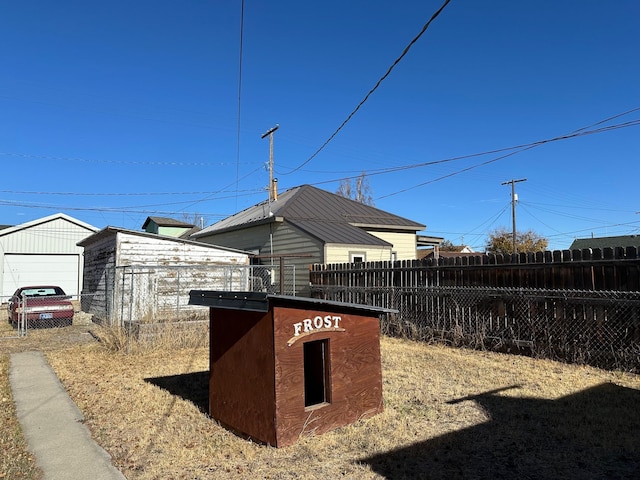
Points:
(514, 199)
(271, 181)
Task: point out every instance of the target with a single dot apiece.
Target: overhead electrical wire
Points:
(120, 162)
(632, 123)
(375, 87)
(517, 148)
(521, 147)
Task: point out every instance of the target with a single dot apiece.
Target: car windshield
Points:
(42, 292)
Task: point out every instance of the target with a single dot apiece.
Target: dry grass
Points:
(15, 461)
(441, 420)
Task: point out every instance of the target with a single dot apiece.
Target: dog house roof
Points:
(261, 301)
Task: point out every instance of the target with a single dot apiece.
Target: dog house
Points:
(283, 366)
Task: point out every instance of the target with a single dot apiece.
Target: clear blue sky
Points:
(114, 111)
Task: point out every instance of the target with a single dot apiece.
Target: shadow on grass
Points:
(592, 434)
(193, 387)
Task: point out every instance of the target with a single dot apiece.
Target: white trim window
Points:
(357, 257)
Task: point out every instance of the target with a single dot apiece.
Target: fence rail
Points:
(599, 328)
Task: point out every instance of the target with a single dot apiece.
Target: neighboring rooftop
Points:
(165, 222)
(169, 227)
(321, 213)
(606, 242)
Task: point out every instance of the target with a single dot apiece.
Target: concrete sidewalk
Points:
(52, 424)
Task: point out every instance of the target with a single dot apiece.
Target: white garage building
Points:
(43, 251)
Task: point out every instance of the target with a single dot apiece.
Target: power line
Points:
(119, 162)
(522, 148)
(519, 148)
(375, 87)
(136, 194)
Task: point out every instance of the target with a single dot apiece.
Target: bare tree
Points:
(358, 189)
(194, 219)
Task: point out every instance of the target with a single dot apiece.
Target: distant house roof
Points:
(166, 222)
(325, 215)
(606, 242)
(39, 221)
(191, 231)
(451, 252)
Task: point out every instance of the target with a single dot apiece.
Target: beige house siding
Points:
(404, 244)
(338, 253)
(285, 239)
(253, 239)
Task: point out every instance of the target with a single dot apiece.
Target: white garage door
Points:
(20, 270)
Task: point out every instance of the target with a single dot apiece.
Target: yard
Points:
(449, 413)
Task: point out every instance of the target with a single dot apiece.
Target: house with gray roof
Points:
(606, 242)
(307, 225)
(169, 227)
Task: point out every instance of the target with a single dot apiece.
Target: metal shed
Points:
(283, 366)
(43, 251)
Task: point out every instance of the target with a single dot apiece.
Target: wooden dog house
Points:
(283, 366)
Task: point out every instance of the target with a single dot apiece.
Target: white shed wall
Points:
(42, 253)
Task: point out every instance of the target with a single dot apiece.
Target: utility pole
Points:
(514, 199)
(271, 182)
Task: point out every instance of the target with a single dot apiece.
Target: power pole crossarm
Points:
(514, 199)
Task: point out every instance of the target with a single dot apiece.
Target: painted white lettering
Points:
(319, 322)
(307, 325)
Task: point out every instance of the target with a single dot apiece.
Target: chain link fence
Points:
(152, 294)
(599, 328)
(142, 299)
(37, 308)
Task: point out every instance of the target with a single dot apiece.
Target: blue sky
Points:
(114, 111)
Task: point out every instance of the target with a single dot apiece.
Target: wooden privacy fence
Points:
(607, 269)
(580, 306)
(599, 328)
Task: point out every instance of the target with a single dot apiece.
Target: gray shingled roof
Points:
(323, 214)
(606, 242)
(166, 222)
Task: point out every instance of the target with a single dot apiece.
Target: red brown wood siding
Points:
(241, 382)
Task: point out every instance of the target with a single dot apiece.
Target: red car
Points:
(46, 304)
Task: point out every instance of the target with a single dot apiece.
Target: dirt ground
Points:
(448, 413)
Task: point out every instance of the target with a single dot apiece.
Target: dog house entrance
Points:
(316, 373)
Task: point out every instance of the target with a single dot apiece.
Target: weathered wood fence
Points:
(575, 306)
(607, 269)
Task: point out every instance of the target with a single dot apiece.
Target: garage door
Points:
(20, 270)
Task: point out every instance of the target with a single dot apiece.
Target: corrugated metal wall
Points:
(55, 236)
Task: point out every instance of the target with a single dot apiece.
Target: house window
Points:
(316, 373)
(357, 257)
